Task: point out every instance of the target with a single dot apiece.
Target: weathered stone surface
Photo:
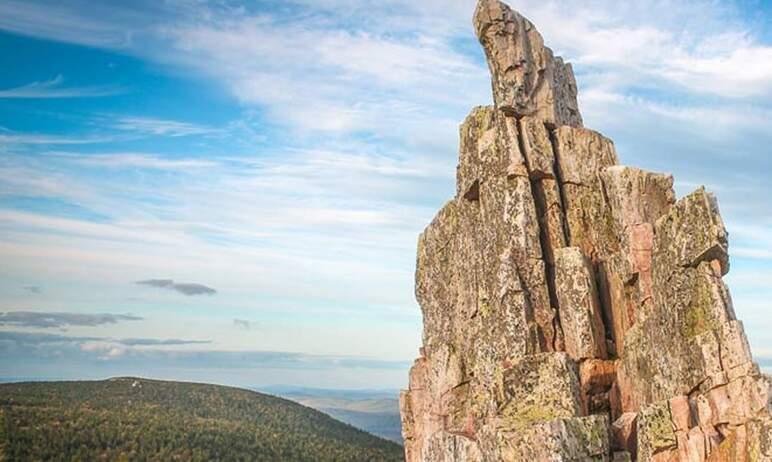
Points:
(537, 148)
(636, 197)
(695, 446)
(621, 297)
(549, 205)
(597, 375)
(581, 155)
(561, 440)
(636, 200)
(624, 433)
(677, 344)
(561, 291)
(681, 413)
(759, 438)
(527, 79)
(693, 232)
(655, 431)
(537, 389)
(540, 160)
(596, 378)
(477, 135)
(578, 303)
(446, 447)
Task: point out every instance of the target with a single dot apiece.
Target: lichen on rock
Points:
(573, 310)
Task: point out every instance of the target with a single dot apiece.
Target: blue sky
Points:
(264, 169)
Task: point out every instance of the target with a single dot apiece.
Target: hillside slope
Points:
(138, 419)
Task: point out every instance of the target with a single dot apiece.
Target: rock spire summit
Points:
(528, 80)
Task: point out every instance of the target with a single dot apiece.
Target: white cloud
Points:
(726, 116)
(105, 350)
(316, 76)
(7, 138)
(17, 177)
(741, 71)
(751, 252)
(753, 240)
(86, 23)
(138, 160)
(161, 127)
(54, 89)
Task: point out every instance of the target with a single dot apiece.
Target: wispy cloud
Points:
(314, 75)
(138, 232)
(54, 88)
(753, 252)
(109, 349)
(61, 319)
(36, 339)
(50, 346)
(162, 127)
(10, 138)
(104, 350)
(27, 345)
(134, 160)
(85, 23)
(185, 288)
(161, 342)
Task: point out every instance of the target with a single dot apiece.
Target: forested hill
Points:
(148, 420)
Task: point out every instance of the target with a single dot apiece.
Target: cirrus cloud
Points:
(54, 88)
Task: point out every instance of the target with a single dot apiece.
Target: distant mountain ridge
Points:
(356, 393)
(138, 419)
(375, 411)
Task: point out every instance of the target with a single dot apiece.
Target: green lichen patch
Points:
(537, 389)
(655, 429)
(698, 316)
(591, 432)
(518, 418)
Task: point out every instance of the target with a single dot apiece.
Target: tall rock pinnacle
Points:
(527, 79)
(573, 309)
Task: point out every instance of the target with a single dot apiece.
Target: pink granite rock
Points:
(579, 305)
(528, 80)
(561, 291)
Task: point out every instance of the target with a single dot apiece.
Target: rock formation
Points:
(573, 309)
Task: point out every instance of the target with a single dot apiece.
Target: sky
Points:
(231, 192)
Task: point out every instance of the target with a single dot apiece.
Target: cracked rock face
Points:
(573, 309)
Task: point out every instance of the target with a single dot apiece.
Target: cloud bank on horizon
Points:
(289, 153)
(61, 319)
